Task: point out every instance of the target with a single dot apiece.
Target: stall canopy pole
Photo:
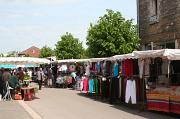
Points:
(143, 85)
(169, 68)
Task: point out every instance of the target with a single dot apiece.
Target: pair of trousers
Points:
(130, 91)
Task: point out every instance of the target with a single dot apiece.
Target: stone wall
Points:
(167, 27)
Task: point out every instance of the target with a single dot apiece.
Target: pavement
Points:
(69, 104)
(12, 110)
(54, 103)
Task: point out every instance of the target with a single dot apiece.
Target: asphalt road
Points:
(69, 104)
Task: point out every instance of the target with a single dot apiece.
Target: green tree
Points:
(69, 47)
(112, 35)
(46, 52)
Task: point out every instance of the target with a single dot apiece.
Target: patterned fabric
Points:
(175, 104)
(158, 102)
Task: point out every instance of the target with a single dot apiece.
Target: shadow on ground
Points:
(133, 109)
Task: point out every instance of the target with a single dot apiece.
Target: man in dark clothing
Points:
(40, 77)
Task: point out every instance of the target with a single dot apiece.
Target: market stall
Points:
(160, 69)
(18, 81)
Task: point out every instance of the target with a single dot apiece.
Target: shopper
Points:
(21, 74)
(49, 77)
(5, 77)
(40, 75)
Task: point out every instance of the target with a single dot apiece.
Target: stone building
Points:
(159, 23)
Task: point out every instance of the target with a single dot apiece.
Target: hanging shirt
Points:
(146, 66)
(63, 68)
(88, 70)
(127, 67)
(115, 70)
(91, 86)
(98, 67)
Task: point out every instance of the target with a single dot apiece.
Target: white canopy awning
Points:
(122, 57)
(72, 60)
(97, 59)
(171, 54)
(80, 60)
(23, 60)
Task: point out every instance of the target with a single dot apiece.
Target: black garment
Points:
(158, 63)
(135, 67)
(103, 89)
(175, 77)
(155, 69)
(2, 87)
(54, 76)
(175, 66)
(108, 68)
(122, 89)
(114, 89)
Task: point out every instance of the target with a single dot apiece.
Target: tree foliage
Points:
(69, 47)
(112, 35)
(46, 52)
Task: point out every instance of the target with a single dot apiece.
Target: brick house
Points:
(159, 23)
(31, 52)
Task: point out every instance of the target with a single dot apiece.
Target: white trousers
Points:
(130, 91)
(81, 85)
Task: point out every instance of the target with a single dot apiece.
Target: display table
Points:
(28, 93)
(158, 102)
(175, 104)
(163, 102)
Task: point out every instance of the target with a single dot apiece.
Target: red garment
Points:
(127, 67)
(94, 66)
(85, 85)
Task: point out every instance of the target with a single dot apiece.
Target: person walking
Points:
(5, 77)
(49, 77)
(40, 75)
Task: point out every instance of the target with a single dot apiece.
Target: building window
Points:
(154, 11)
(157, 46)
(155, 6)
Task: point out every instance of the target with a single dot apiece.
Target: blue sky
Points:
(24, 23)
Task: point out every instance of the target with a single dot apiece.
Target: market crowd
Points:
(17, 78)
